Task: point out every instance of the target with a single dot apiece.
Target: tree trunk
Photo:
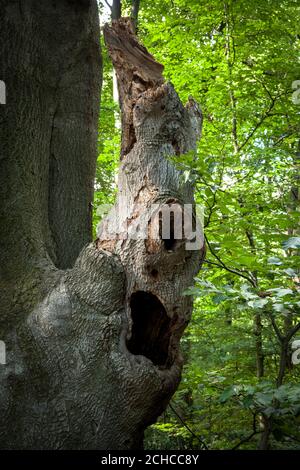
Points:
(260, 357)
(135, 13)
(116, 9)
(93, 350)
(264, 441)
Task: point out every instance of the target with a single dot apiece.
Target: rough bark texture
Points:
(50, 62)
(92, 351)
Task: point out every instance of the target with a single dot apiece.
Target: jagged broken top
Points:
(136, 70)
(142, 86)
(129, 56)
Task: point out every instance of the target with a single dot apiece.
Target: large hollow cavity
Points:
(150, 328)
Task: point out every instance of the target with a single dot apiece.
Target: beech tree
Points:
(91, 328)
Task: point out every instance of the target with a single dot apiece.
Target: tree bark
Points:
(116, 9)
(135, 13)
(260, 357)
(92, 351)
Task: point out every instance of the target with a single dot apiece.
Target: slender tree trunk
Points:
(135, 13)
(92, 351)
(116, 10)
(293, 231)
(257, 321)
(260, 357)
(264, 442)
(283, 361)
(230, 57)
(267, 422)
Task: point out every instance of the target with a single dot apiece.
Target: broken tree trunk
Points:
(155, 125)
(93, 351)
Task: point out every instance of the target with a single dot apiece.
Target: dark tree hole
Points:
(154, 273)
(129, 139)
(170, 242)
(150, 328)
(175, 146)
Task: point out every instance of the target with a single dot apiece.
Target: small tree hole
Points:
(169, 242)
(154, 273)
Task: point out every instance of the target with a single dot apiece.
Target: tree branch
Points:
(211, 209)
(293, 331)
(109, 6)
(223, 265)
(276, 329)
(248, 438)
(188, 428)
(264, 116)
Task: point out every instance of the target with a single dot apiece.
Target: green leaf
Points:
(227, 394)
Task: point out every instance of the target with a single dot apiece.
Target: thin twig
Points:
(211, 209)
(275, 328)
(293, 331)
(223, 265)
(254, 432)
(188, 428)
(246, 439)
(109, 6)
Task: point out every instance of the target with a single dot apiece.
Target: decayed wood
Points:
(137, 71)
